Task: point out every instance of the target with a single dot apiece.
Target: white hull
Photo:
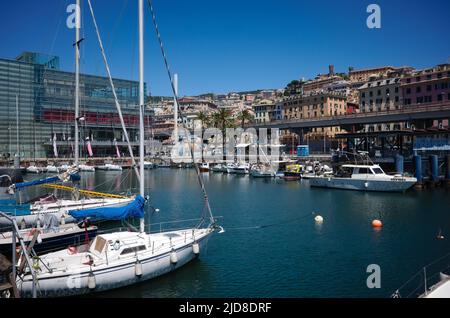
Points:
(110, 167)
(86, 168)
(119, 272)
(361, 184)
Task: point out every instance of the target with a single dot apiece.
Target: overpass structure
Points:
(408, 114)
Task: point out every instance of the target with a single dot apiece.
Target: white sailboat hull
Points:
(61, 208)
(112, 276)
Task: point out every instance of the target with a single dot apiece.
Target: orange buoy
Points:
(377, 223)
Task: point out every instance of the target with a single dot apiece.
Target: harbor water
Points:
(273, 248)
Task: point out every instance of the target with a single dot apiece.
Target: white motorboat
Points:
(86, 168)
(363, 178)
(34, 169)
(204, 167)
(149, 165)
(219, 168)
(52, 169)
(261, 171)
(230, 167)
(110, 167)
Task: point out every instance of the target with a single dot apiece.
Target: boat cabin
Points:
(350, 171)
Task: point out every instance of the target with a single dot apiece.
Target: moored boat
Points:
(204, 167)
(363, 178)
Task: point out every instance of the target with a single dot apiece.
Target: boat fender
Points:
(366, 184)
(196, 248)
(63, 219)
(116, 245)
(138, 268)
(91, 281)
(173, 257)
(72, 250)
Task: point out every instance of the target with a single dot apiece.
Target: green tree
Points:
(222, 120)
(245, 116)
(204, 119)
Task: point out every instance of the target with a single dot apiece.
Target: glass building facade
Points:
(45, 112)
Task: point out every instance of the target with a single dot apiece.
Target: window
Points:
(371, 94)
(419, 100)
(418, 89)
(428, 77)
(428, 88)
(134, 249)
(377, 171)
(363, 95)
(439, 75)
(408, 90)
(418, 79)
(444, 85)
(396, 89)
(408, 80)
(387, 91)
(396, 99)
(379, 92)
(363, 171)
(440, 97)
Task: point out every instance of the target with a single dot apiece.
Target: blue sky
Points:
(234, 45)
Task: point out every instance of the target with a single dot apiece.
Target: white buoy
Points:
(318, 219)
(196, 248)
(91, 281)
(138, 269)
(173, 257)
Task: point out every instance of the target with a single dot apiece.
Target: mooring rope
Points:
(256, 227)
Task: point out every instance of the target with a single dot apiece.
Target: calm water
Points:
(290, 256)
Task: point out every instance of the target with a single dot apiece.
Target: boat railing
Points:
(162, 226)
(423, 282)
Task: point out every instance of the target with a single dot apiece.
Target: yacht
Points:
(34, 169)
(204, 167)
(219, 168)
(261, 171)
(110, 167)
(363, 177)
(242, 168)
(86, 168)
(52, 169)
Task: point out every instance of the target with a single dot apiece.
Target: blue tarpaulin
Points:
(134, 209)
(36, 182)
(12, 208)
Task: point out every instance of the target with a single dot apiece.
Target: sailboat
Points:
(120, 259)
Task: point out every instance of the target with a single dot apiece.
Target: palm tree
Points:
(204, 119)
(222, 119)
(245, 116)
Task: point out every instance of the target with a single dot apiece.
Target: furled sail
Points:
(134, 209)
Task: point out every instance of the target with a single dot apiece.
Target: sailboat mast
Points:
(77, 80)
(141, 103)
